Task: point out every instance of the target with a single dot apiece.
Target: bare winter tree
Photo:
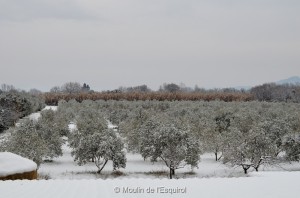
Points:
(6, 88)
(71, 87)
(35, 92)
(140, 88)
(55, 89)
(277, 93)
(172, 87)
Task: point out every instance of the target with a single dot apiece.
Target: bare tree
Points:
(55, 89)
(6, 88)
(172, 87)
(71, 87)
(35, 92)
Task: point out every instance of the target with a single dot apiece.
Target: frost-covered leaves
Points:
(169, 141)
(249, 133)
(36, 140)
(25, 140)
(93, 141)
(255, 139)
(131, 128)
(291, 146)
(50, 129)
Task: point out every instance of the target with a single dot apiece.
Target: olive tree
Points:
(25, 140)
(251, 142)
(50, 130)
(93, 141)
(168, 141)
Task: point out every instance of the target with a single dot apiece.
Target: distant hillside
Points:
(295, 80)
(291, 80)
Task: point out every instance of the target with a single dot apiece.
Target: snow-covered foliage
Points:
(25, 140)
(170, 142)
(245, 134)
(260, 132)
(256, 136)
(50, 129)
(94, 141)
(36, 139)
(131, 129)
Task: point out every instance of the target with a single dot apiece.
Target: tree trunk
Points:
(258, 164)
(216, 154)
(245, 170)
(171, 173)
(220, 156)
(99, 171)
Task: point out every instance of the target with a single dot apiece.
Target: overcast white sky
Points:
(112, 43)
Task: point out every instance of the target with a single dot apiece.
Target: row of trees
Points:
(272, 92)
(54, 98)
(71, 88)
(170, 91)
(42, 139)
(167, 140)
(244, 134)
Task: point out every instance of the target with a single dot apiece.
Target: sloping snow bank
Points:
(261, 185)
(11, 163)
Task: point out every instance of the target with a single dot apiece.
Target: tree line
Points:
(54, 98)
(269, 92)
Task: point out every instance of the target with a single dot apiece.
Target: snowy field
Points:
(65, 168)
(258, 185)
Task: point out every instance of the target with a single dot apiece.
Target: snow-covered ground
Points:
(259, 185)
(65, 168)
